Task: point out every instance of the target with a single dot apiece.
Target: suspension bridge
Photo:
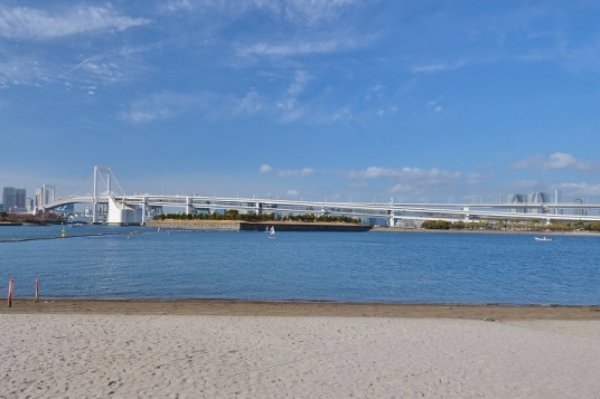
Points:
(115, 208)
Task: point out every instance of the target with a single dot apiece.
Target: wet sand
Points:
(254, 308)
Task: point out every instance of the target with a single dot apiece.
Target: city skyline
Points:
(340, 100)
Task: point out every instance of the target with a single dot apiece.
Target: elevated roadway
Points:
(392, 212)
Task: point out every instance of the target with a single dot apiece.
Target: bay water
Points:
(137, 262)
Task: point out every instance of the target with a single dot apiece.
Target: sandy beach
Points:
(190, 349)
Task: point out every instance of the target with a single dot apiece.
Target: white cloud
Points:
(305, 172)
(293, 193)
(35, 24)
(561, 160)
(554, 161)
(405, 174)
(582, 189)
(414, 181)
(402, 188)
(265, 168)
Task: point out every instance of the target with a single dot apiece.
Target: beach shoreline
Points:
(206, 307)
(168, 355)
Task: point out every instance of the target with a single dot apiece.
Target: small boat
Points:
(544, 238)
(272, 232)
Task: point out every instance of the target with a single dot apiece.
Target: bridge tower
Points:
(101, 175)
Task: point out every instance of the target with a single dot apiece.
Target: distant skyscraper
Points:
(517, 199)
(14, 199)
(39, 198)
(9, 198)
(20, 195)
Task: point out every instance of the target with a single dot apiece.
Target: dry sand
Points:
(207, 349)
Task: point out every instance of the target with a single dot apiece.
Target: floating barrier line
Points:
(24, 239)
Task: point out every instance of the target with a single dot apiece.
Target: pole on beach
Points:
(11, 287)
(36, 294)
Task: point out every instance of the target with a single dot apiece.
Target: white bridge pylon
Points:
(135, 209)
(101, 175)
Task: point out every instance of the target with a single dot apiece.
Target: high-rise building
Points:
(39, 198)
(20, 195)
(14, 199)
(9, 199)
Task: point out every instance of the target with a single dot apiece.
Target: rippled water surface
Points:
(371, 267)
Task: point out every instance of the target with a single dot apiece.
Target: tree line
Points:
(40, 218)
(232, 214)
(507, 225)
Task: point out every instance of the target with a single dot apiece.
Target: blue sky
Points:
(338, 100)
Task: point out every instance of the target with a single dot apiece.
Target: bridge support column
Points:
(189, 209)
(144, 211)
(467, 214)
(95, 198)
(391, 220)
(258, 207)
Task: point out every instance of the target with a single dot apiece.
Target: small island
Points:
(233, 220)
(18, 219)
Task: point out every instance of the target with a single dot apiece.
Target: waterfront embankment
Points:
(236, 225)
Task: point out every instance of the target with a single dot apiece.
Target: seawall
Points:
(236, 225)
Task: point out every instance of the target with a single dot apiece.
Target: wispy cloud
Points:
(252, 103)
(435, 106)
(296, 48)
(312, 12)
(411, 180)
(207, 105)
(581, 189)
(35, 24)
(554, 161)
(18, 71)
(299, 12)
(161, 106)
(288, 106)
(435, 68)
(265, 168)
(304, 172)
(406, 174)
